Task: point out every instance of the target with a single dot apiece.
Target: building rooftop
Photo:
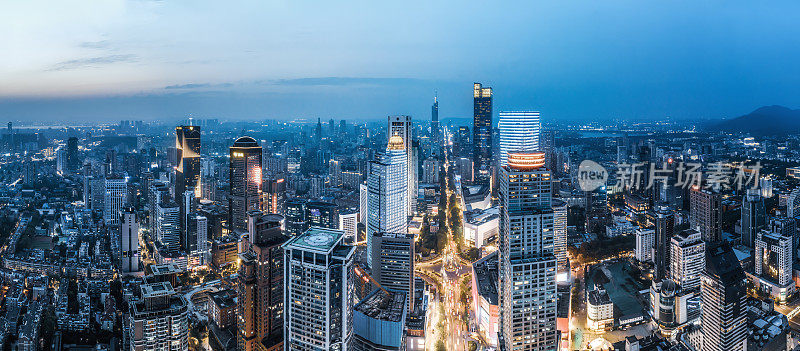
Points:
(383, 305)
(486, 277)
(598, 297)
(317, 239)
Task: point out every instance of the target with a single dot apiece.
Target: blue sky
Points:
(88, 61)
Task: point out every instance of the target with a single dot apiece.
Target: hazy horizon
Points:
(573, 61)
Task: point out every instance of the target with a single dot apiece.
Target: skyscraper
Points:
(245, 180)
(560, 231)
(435, 131)
(519, 131)
(323, 320)
(724, 313)
(482, 132)
(705, 213)
(527, 261)
(116, 193)
(401, 126)
(129, 237)
(393, 262)
(168, 231)
(73, 162)
(159, 320)
(187, 171)
(260, 285)
(773, 264)
(754, 216)
(387, 191)
(664, 225)
(687, 259)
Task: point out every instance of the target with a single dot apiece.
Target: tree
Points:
(440, 345)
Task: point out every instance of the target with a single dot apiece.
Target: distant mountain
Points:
(776, 120)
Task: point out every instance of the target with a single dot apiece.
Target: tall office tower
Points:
(461, 144)
(189, 222)
(664, 226)
(785, 226)
(158, 193)
(245, 180)
(645, 243)
(436, 133)
(115, 195)
(324, 321)
(687, 259)
(363, 195)
(527, 263)
(560, 232)
(275, 195)
(402, 127)
(129, 235)
(187, 173)
(73, 162)
(260, 285)
(430, 171)
(393, 262)
(295, 213)
(168, 231)
(159, 320)
(87, 185)
(793, 203)
(754, 216)
(705, 213)
(322, 214)
(773, 264)
(724, 313)
(482, 132)
(202, 248)
(387, 191)
(519, 132)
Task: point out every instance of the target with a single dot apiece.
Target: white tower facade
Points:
(387, 198)
(519, 131)
(401, 126)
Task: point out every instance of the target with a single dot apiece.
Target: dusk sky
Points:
(89, 61)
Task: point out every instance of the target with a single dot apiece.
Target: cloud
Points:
(100, 44)
(198, 86)
(92, 62)
(345, 81)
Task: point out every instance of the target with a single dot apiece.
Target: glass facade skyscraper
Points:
(482, 132)
(245, 179)
(387, 191)
(519, 132)
(527, 285)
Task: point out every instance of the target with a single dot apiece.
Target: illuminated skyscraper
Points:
(482, 132)
(318, 294)
(664, 227)
(115, 197)
(129, 237)
(245, 179)
(435, 131)
(387, 192)
(401, 126)
(187, 172)
(724, 313)
(754, 216)
(705, 213)
(527, 262)
(260, 285)
(519, 132)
